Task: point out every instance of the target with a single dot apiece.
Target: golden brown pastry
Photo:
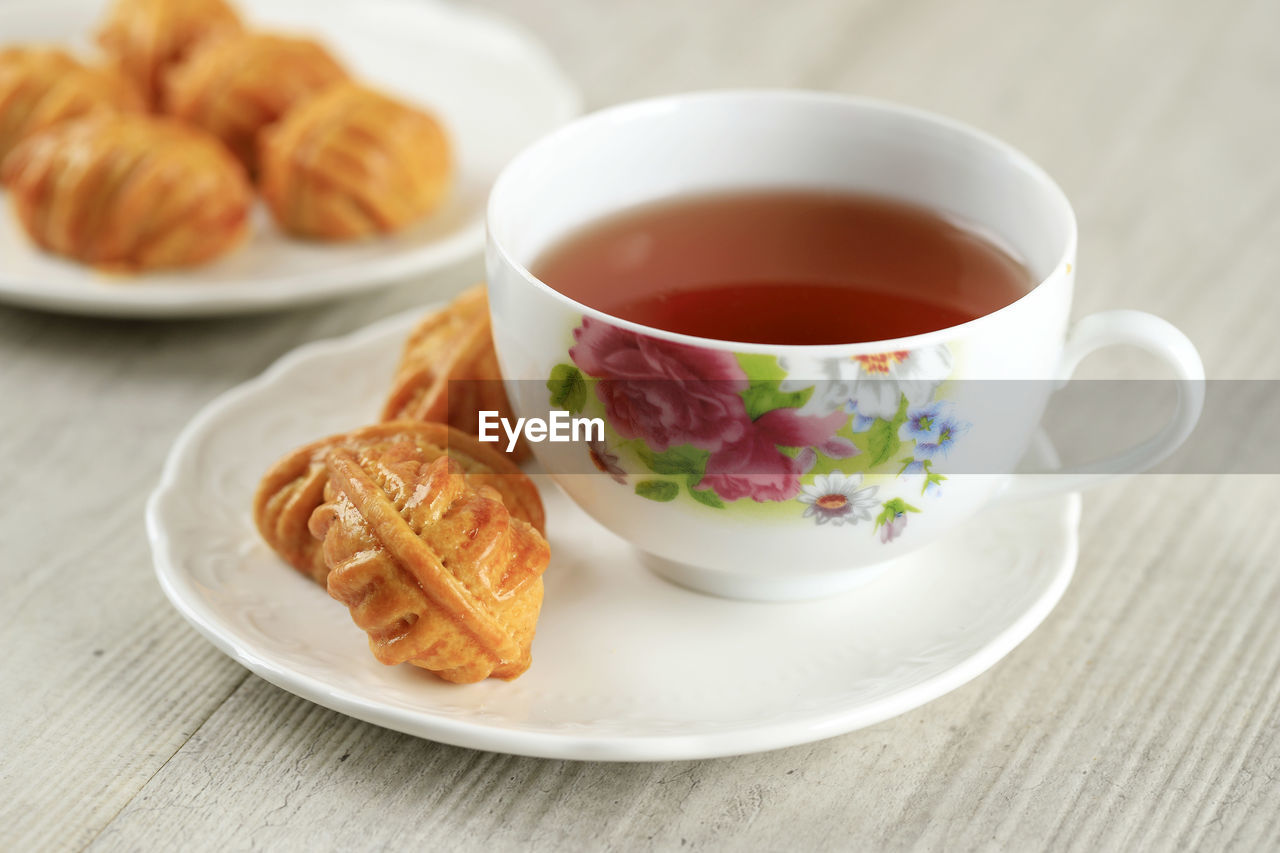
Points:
(128, 192)
(294, 486)
(437, 572)
(449, 371)
(234, 87)
(350, 162)
(146, 37)
(40, 87)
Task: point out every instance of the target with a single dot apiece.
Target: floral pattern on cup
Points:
(838, 498)
(825, 439)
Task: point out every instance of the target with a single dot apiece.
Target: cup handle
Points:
(1156, 336)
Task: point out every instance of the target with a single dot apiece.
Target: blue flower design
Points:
(945, 432)
(923, 422)
(860, 423)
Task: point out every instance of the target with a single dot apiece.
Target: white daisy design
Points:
(873, 383)
(837, 498)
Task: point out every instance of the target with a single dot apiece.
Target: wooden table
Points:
(1144, 714)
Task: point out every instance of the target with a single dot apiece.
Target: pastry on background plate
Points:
(438, 572)
(145, 37)
(294, 486)
(42, 86)
(350, 163)
(234, 87)
(128, 192)
(449, 370)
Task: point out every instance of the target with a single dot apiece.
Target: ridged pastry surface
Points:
(449, 370)
(128, 192)
(350, 163)
(146, 37)
(234, 87)
(437, 573)
(42, 86)
(294, 486)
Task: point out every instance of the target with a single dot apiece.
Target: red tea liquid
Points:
(785, 267)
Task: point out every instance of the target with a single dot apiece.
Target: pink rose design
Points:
(788, 428)
(754, 467)
(665, 393)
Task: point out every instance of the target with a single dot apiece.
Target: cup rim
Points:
(921, 340)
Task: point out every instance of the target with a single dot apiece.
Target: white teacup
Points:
(777, 529)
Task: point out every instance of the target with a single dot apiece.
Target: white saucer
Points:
(626, 666)
(493, 86)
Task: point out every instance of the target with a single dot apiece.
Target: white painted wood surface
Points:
(1144, 714)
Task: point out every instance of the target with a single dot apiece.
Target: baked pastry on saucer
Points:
(146, 37)
(293, 487)
(41, 86)
(128, 192)
(350, 163)
(438, 572)
(449, 370)
(234, 87)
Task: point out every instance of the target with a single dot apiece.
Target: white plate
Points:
(626, 666)
(494, 88)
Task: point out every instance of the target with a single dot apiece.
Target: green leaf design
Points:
(657, 490)
(934, 479)
(901, 417)
(882, 438)
(568, 388)
(703, 496)
(891, 509)
(759, 366)
(684, 459)
(882, 442)
(764, 395)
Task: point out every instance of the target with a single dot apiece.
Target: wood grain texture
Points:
(1143, 715)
